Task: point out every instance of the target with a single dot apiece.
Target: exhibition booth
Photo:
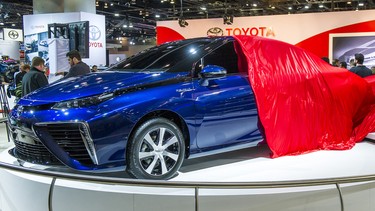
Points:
(246, 179)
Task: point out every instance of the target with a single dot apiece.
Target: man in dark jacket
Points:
(77, 67)
(35, 78)
(360, 69)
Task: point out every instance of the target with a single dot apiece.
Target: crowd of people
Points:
(31, 78)
(355, 65)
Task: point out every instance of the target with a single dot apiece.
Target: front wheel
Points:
(156, 150)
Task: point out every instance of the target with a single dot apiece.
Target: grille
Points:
(68, 137)
(34, 153)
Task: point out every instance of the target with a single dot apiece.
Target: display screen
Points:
(344, 46)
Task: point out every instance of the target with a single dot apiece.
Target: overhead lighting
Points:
(157, 16)
(307, 7)
(125, 26)
(182, 22)
(349, 2)
(116, 14)
(111, 4)
(321, 5)
(255, 5)
(204, 8)
(97, 4)
(130, 25)
(228, 19)
(105, 5)
(361, 4)
(290, 8)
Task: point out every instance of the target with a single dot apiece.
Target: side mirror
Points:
(213, 71)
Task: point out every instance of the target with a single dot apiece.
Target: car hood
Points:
(94, 84)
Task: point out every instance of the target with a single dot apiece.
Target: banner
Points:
(13, 35)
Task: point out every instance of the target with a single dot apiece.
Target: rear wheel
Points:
(156, 150)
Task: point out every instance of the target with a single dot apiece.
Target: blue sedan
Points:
(145, 114)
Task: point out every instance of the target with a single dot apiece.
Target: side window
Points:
(225, 56)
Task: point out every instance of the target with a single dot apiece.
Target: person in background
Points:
(77, 67)
(351, 63)
(360, 69)
(94, 69)
(25, 68)
(35, 78)
(373, 70)
(326, 59)
(335, 62)
(343, 65)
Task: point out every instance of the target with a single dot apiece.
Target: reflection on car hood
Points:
(93, 84)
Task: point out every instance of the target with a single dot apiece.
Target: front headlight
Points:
(83, 102)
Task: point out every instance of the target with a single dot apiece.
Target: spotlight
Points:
(228, 19)
(182, 22)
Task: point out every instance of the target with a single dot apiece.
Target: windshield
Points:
(170, 57)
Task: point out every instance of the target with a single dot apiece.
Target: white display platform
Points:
(18, 191)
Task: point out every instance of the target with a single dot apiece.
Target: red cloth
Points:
(304, 103)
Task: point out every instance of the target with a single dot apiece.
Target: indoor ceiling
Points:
(137, 18)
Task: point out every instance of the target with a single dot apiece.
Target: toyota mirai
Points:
(146, 114)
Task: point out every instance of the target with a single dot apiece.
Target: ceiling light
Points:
(111, 4)
(361, 4)
(349, 2)
(255, 5)
(125, 26)
(172, 1)
(157, 16)
(130, 25)
(97, 4)
(106, 5)
(204, 8)
(290, 8)
(116, 14)
(306, 6)
(321, 5)
(228, 19)
(182, 22)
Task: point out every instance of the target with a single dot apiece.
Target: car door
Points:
(226, 112)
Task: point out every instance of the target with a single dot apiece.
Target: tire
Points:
(148, 158)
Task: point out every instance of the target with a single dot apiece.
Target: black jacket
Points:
(78, 69)
(361, 70)
(33, 80)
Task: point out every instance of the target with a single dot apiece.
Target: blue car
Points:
(145, 115)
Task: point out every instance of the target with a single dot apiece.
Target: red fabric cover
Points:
(304, 103)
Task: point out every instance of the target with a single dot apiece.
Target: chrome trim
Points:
(87, 140)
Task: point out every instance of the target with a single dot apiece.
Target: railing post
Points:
(196, 198)
(340, 194)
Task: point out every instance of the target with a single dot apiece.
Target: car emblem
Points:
(216, 31)
(13, 34)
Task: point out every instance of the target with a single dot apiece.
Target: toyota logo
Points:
(216, 31)
(13, 34)
(95, 32)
